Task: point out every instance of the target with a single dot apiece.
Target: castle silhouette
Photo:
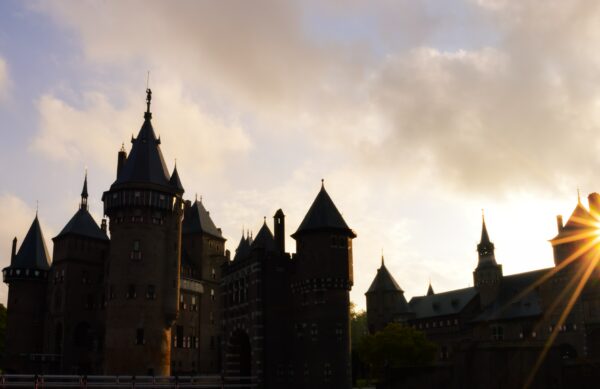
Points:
(162, 296)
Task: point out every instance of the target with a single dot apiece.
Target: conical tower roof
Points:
(430, 290)
(580, 219)
(33, 253)
(323, 215)
(82, 223)
(145, 162)
(175, 181)
(384, 282)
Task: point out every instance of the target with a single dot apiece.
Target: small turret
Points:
(488, 274)
(279, 227)
(121, 158)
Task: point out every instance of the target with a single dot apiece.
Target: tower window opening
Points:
(131, 294)
(151, 292)
(139, 337)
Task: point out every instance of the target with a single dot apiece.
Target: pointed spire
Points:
(84, 193)
(430, 289)
(174, 180)
(485, 248)
(485, 238)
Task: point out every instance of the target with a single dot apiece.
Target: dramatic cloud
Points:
(383, 90)
(90, 134)
(416, 113)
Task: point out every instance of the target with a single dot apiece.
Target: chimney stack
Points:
(13, 252)
(559, 222)
(594, 203)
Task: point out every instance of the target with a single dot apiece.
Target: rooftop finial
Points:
(148, 114)
(123, 147)
(37, 207)
(264, 220)
(578, 196)
(322, 183)
(84, 193)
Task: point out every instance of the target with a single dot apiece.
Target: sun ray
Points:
(588, 271)
(578, 253)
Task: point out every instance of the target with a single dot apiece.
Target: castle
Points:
(153, 291)
(535, 329)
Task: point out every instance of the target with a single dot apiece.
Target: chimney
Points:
(103, 225)
(559, 223)
(122, 157)
(594, 203)
(279, 227)
(13, 253)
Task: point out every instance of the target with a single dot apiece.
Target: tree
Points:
(358, 325)
(394, 347)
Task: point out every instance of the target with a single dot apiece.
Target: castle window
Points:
(213, 274)
(179, 337)
(139, 337)
(497, 332)
(136, 252)
(212, 294)
(89, 302)
(131, 294)
(151, 292)
(182, 304)
(194, 307)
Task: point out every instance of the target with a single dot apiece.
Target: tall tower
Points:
(27, 278)
(321, 289)
(385, 301)
(488, 274)
(75, 316)
(145, 209)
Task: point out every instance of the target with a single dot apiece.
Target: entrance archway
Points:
(238, 362)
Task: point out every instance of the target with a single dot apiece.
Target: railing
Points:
(102, 381)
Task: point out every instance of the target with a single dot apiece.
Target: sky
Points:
(417, 114)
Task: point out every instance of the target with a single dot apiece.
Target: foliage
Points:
(358, 325)
(395, 346)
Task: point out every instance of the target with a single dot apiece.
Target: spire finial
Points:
(37, 207)
(264, 220)
(382, 260)
(84, 193)
(322, 183)
(196, 197)
(123, 147)
(148, 114)
(578, 196)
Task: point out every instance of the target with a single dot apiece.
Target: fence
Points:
(108, 382)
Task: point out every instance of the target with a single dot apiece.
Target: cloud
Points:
(4, 80)
(92, 130)
(382, 93)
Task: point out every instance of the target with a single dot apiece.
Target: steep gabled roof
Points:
(243, 248)
(511, 302)
(83, 224)
(33, 253)
(145, 162)
(197, 219)
(323, 214)
(580, 219)
(384, 282)
(442, 304)
(264, 239)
